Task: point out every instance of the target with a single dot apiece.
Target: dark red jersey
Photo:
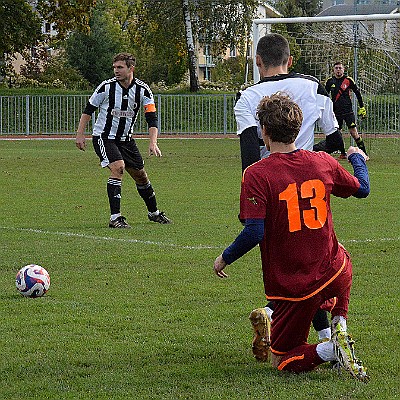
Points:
(291, 191)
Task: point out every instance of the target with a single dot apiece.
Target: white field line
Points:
(111, 239)
(162, 244)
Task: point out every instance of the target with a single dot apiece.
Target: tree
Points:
(157, 41)
(194, 80)
(20, 26)
(66, 15)
(91, 52)
(298, 8)
(220, 23)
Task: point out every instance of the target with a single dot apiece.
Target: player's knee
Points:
(139, 176)
(117, 168)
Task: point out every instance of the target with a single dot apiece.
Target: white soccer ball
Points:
(32, 281)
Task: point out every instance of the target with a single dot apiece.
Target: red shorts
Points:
(292, 319)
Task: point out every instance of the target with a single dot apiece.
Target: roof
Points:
(361, 9)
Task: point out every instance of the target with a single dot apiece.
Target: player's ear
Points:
(258, 60)
(290, 61)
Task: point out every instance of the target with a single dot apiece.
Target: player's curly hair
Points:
(127, 57)
(280, 116)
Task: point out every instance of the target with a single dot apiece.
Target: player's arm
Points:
(152, 123)
(247, 129)
(249, 147)
(249, 237)
(356, 90)
(357, 159)
(328, 86)
(84, 120)
(362, 112)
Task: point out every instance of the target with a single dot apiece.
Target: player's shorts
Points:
(109, 151)
(349, 118)
(292, 319)
(332, 143)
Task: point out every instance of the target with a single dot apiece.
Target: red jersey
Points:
(291, 191)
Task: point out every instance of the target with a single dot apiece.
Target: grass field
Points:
(139, 314)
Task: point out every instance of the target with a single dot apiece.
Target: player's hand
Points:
(353, 149)
(80, 142)
(219, 265)
(362, 112)
(154, 150)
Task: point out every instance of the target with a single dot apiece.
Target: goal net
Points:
(367, 45)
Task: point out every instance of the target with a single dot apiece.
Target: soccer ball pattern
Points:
(32, 281)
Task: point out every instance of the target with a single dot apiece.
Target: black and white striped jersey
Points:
(305, 90)
(118, 108)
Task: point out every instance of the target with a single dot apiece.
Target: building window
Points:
(232, 52)
(47, 27)
(207, 74)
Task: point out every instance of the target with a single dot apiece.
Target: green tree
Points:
(298, 8)
(157, 43)
(91, 52)
(66, 15)
(20, 26)
(182, 23)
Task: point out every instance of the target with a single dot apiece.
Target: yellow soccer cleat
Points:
(262, 332)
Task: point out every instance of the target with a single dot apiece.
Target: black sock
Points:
(146, 192)
(320, 320)
(360, 144)
(114, 195)
(271, 305)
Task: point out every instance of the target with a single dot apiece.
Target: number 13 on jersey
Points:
(313, 218)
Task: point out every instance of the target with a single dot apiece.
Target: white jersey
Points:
(305, 90)
(119, 107)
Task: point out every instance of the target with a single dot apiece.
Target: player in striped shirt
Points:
(118, 101)
(289, 215)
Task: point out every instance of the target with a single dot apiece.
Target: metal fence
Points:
(59, 114)
(177, 114)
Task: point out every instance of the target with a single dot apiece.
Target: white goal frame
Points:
(269, 21)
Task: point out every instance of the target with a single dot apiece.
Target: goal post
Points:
(368, 46)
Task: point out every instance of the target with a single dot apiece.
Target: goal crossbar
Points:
(269, 21)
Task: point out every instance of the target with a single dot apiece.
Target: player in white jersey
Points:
(118, 101)
(273, 61)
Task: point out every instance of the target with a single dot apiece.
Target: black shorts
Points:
(349, 118)
(109, 151)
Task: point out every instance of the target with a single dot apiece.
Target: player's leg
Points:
(320, 321)
(341, 143)
(321, 146)
(343, 344)
(351, 124)
(334, 142)
(110, 157)
(134, 165)
(289, 333)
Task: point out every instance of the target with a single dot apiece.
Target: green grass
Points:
(139, 314)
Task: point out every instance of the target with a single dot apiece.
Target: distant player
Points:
(340, 86)
(118, 102)
(289, 215)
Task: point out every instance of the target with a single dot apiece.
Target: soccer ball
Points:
(32, 281)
